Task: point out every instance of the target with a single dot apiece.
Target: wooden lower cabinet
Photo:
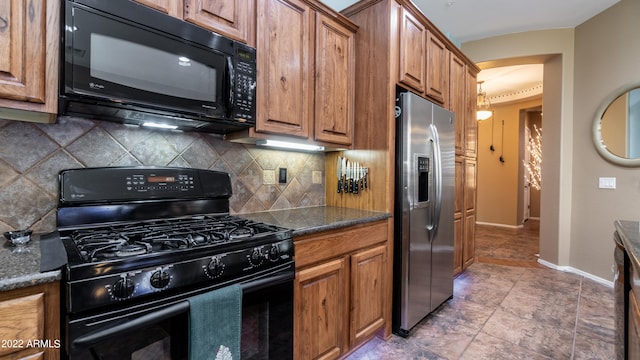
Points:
(340, 293)
(320, 311)
(30, 322)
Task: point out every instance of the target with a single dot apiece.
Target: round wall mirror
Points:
(616, 129)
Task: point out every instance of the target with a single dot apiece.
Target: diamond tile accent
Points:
(23, 145)
(96, 148)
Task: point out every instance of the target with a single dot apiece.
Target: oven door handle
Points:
(173, 310)
(135, 324)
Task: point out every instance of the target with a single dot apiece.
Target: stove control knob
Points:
(256, 257)
(160, 279)
(274, 253)
(123, 288)
(215, 268)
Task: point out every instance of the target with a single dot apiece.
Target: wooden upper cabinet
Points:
(169, 7)
(233, 19)
(412, 51)
(437, 77)
(471, 124)
(335, 81)
(29, 55)
(285, 53)
(457, 103)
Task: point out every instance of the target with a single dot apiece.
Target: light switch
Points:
(607, 183)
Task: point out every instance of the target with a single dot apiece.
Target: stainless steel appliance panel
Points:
(425, 170)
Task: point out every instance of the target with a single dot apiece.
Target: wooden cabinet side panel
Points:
(283, 94)
(335, 82)
(412, 51)
(22, 50)
(436, 81)
(368, 285)
(320, 298)
(230, 18)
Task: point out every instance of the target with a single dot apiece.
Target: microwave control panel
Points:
(244, 109)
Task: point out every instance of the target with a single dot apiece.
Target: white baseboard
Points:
(499, 225)
(570, 269)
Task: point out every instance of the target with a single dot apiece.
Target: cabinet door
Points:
(457, 103)
(470, 167)
(169, 7)
(321, 308)
(471, 125)
(469, 245)
(436, 69)
(367, 293)
(285, 56)
(335, 82)
(458, 216)
(22, 50)
(233, 19)
(412, 51)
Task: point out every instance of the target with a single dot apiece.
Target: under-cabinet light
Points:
(159, 125)
(289, 145)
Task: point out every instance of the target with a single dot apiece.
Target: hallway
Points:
(506, 306)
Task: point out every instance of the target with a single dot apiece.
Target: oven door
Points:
(160, 330)
(114, 55)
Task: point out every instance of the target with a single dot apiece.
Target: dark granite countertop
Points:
(629, 232)
(311, 220)
(20, 266)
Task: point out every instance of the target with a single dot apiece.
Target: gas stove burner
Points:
(131, 250)
(240, 233)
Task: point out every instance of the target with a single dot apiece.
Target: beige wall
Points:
(498, 182)
(607, 58)
(577, 217)
(554, 49)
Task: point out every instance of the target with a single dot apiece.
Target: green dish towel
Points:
(215, 321)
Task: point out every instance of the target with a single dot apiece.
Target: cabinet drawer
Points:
(315, 248)
(21, 320)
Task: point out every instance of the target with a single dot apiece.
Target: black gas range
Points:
(141, 240)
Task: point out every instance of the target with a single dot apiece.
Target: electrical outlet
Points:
(607, 183)
(282, 175)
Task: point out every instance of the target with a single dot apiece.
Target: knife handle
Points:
(339, 185)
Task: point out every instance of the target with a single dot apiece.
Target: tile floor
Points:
(505, 307)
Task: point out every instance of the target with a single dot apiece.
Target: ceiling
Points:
(467, 20)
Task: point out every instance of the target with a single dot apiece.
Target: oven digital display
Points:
(161, 179)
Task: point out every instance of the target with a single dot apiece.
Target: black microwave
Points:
(125, 62)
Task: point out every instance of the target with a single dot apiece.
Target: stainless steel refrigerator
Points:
(424, 201)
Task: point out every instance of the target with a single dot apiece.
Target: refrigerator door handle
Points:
(437, 179)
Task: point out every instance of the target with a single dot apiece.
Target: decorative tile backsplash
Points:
(32, 155)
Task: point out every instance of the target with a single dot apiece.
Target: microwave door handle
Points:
(231, 84)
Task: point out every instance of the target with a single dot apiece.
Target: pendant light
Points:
(483, 105)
